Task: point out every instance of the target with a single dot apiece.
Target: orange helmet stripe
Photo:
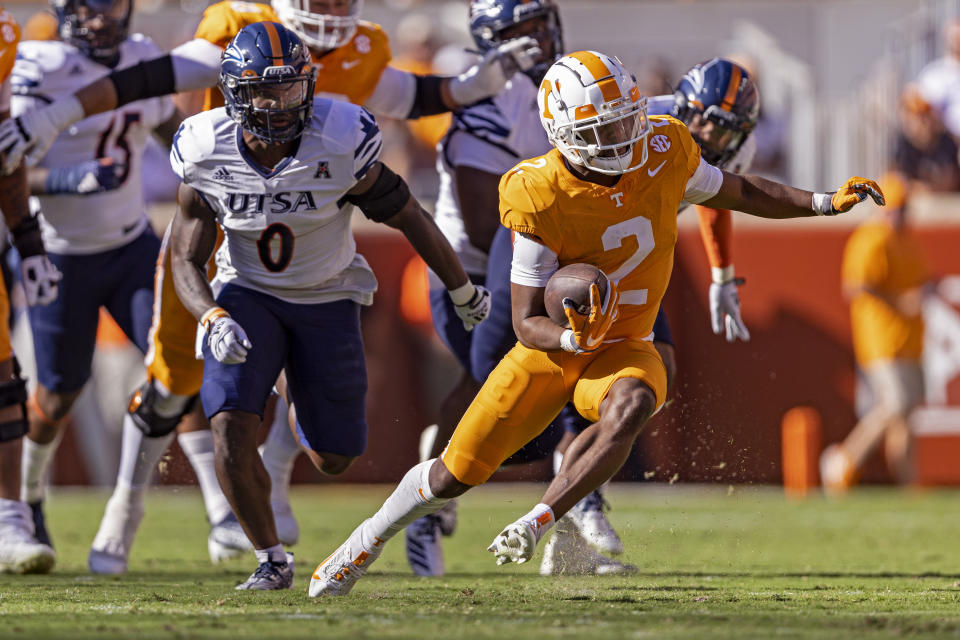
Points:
(732, 88)
(276, 49)
(601, 74)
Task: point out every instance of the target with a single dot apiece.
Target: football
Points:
(572, 281)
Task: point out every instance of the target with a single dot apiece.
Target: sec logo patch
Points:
(660, 142)
(362, 43)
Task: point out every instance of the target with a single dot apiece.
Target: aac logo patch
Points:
(660, 143)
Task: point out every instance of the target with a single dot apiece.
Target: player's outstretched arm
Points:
(30, 135)
(767, 199)
(384, 197)
(401, 94)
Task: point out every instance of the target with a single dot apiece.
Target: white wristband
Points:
(568, 341)
(462, 295)
(722, 274)
(65, 111)
(822, 204)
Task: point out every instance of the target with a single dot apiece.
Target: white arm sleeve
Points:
(533, 263)
(196, 65)
(394, 94)
(703, 184)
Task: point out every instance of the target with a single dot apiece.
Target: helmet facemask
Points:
(275, 109)
(605, 143)
(718, 133)
(322, 31)
(96, 27)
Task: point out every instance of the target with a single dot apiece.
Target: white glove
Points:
(33, 132)
(489, 76)
(725, 309)
(40, 278)
(228, 342)
(472, 304)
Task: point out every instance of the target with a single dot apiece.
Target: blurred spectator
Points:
(884, 278)
(924, 153)
(940, 80)
(41, 26)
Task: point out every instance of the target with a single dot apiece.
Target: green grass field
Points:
(714, 562)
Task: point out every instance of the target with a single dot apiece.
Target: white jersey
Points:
(491, 136)
(287, 231)
(82, 224)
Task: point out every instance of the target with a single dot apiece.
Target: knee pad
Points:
(12, 393)
(157, 415)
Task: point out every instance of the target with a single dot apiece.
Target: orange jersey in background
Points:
(628, 230)
(350, 72)
(878, 257)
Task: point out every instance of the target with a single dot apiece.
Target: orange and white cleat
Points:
(336, 575)
(837, 471)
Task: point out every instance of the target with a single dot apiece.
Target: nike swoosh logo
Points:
(653, 172)
(349, 64)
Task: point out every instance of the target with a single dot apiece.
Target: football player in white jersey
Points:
(353, 57)
(91, 210)
(281, 172)
(20, 552)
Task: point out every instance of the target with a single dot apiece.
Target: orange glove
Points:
(853, 191)
(587, 331)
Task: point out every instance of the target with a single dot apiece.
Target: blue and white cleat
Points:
(516, 543)
(424, 551)
(20, 552)
(227, 540)
(270, 576)
(337, 575)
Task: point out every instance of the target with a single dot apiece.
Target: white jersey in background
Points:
(81, 224)
(491, 136)
(287, 232)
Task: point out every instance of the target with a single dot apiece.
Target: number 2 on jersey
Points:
(641, 229)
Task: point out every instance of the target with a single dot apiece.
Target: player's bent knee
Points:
(628, 406)
(13, 393)
(332, 464)
(53, 406)
(157, 413)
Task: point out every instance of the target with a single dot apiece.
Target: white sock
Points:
(540, 519)
(557, 462)
(271, 554)
(35, 461)
(139, 455)
(412, 499)
(198, 447)
(279, 452)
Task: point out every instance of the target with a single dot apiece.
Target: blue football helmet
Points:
(267, 80)
(721, 92)
(95, 27)
(490, 18)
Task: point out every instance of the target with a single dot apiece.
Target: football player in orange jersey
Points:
(20, 552)
(352, 57)
(607, 195)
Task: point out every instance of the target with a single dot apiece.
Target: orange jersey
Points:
(879, 258)
(628, 230)
(9, 37)
(350, 72)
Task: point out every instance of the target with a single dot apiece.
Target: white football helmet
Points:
(324, 31)
(593, 112)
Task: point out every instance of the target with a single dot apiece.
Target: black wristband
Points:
(428, 99)
(147, 79)
(27, 238)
